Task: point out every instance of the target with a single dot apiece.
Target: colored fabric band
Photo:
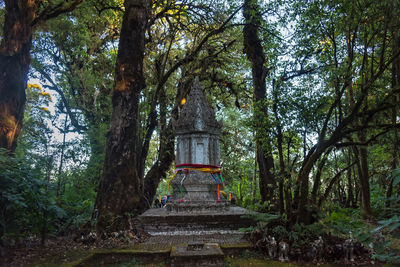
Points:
(212, 169)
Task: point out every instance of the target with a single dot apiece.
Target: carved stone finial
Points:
(197, 115)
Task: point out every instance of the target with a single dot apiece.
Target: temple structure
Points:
(197, 131)
(197, 208)
(198, 181)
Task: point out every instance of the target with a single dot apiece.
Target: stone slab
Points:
(209, 254)
(203, 206)
(165, 241)
(164, 222)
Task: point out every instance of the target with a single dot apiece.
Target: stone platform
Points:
(164, 241)
(161, 222)
(197, 237)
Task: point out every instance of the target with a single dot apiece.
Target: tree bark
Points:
(165, 154)
(20, 19)
(157, 172)
(360, 154)
(14, 66)
(279, 139)
(364, 177)
(255, 54)
(350, 202)
(317, 179)
(254, 182)
(395, 85)
(120, 189)
(60, 166)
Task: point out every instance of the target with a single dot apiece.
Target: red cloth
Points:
(190, 165)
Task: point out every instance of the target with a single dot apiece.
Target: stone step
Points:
(198, 232)
(164, 241)
(197, 254)
(157, 221)
(199, 206)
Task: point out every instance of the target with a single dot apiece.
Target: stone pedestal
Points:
(200, 193)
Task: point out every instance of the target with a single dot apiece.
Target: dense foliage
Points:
(308, 92)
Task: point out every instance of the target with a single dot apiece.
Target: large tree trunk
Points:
(14, 65)
(279, 139)
(302, 198)
(395, 86)
(20, 19)
(255, 54)
(120, 189)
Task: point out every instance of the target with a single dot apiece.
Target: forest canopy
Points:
(308, 92)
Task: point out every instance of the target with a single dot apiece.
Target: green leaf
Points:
(394, 226)
(396, 180)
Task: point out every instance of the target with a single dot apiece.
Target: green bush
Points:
(24, 202)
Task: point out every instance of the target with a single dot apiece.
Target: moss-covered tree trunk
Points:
(20, 20)
(14, 65)
(120, 189)
(255, 54)
(396, 99)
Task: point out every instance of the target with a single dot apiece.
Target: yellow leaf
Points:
(183, 102)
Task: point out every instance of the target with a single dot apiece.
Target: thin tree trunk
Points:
(44, 229)
(167, 143)
(350, 194)
(287, 186)
(361, 155)
(254, 182)
(364, 177)
(120, 189)
(165, 158)
(331, 184)
(317, 179)
(59, 180)
(288, 198)
(357, 194)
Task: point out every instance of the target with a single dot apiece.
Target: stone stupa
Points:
(197, 133)
(196, 206)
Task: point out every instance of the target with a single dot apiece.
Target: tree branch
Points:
(52, 12)
(332, 182)
(53, 87)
